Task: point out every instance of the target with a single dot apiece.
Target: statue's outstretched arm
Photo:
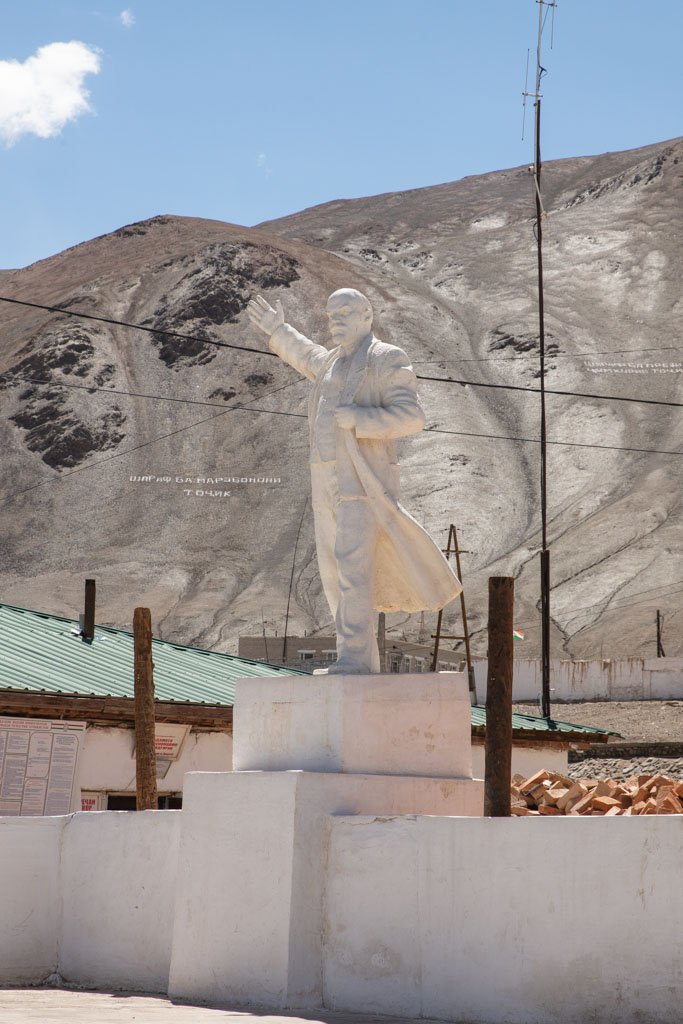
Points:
(294, 348)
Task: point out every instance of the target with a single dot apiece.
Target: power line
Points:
(299, 415)
(551, 355)
(628, 602)
(569, 444)
(550, 391)
(136, 327)
(439, 380)
(142, 394)
(162, 437)
(266, 352)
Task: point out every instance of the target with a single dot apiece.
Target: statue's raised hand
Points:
(264, 316)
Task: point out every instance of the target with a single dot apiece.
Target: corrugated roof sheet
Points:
(42, 653)
(542, 725)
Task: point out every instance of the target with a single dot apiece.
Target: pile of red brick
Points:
(547, 793)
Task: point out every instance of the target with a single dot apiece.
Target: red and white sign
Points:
(168, 740)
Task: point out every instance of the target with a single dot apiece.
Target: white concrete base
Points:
(253, 851)
(370, 725)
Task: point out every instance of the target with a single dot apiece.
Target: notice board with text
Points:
(38, 765)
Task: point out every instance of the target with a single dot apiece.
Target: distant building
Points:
(310, 652)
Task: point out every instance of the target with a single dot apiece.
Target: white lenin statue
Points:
(372, 554)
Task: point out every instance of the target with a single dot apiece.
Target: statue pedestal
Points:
(368, 725)
(256, 839)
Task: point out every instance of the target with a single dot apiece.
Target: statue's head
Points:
(350, 316)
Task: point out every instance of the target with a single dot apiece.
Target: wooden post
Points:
(498, 769)
(382, 640)
(145, 757)
(88, 632)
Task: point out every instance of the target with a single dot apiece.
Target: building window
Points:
(406, 663)
(306, 655)
(419, 664)
(329, 655)
(394, 662)
(128, 802)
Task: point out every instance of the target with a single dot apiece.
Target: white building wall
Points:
(526, 760)
(627, 679)
(107, 761)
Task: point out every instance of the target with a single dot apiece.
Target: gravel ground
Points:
(620, 769)
(651, 721)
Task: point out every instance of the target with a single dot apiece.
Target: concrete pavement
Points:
(66, 1006)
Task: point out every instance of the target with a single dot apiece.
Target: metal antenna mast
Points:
(545, 553)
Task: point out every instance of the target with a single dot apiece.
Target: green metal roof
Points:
(530, 723)
(42, 653)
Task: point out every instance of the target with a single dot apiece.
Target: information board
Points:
(38, 762)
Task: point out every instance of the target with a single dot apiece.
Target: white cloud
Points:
(262, 164)
(41, 95)
(127, 18)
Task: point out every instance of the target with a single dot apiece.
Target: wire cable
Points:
(266, 352)
(550, 355)
(136, 327)
(248, 407)
(299, 415)
(162, 437)
(550, 391)
(569, 444)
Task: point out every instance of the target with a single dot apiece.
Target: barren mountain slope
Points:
(451, 273)
(459, 261)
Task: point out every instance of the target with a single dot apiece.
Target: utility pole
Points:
(145, 755)
(453, 548)
(545, 553)
(382, 640)
(660, 648)
(498, 769)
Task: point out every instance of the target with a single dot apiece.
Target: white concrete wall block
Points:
(385, 725)
(30, 898)
(371, 930)
(321, 794)
(595, 679)
(580, 919)
(118, 882)
(233, 902)
(520, 921)
(249, 909)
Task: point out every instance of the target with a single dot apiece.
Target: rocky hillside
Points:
(140, 492)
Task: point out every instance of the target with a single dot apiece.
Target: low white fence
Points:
(493, 921)
(90, 897)
(626, 679)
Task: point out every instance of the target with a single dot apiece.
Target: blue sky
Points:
(243, 111)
